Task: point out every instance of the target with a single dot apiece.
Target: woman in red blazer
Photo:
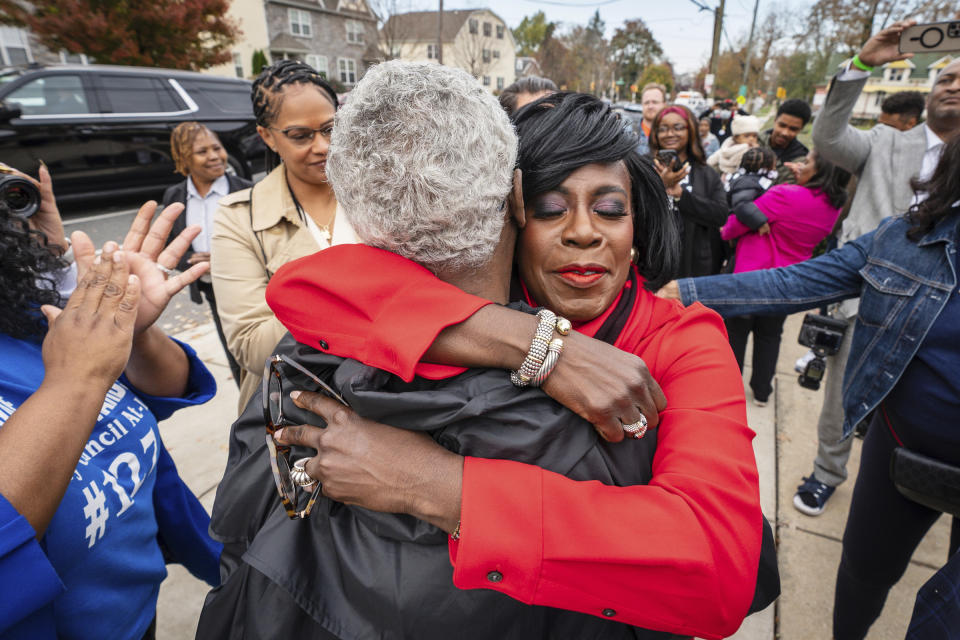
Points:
(679, 554)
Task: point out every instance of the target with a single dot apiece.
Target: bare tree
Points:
(473, 52)
(393, 32)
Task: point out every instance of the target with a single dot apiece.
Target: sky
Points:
(684, 31)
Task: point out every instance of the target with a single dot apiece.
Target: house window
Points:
(486, 81)
(486, 55)
(348, 70)
(319, 63)
(299, 22)
(474, 26)
(496, 54)
(74, 58)
(355, 32)
(499, 32)
(499, 83)
(896, 75)
(487, 29)
(432, 53)
(14, 46)
(238, 64)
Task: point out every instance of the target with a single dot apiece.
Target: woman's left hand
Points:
(144, 247)
(671, 179)
(377, 466)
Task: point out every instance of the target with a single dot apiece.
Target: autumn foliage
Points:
(175, 34)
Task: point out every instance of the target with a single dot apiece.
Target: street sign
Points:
(743, 90)
(741, 100)
(781, 93)
(708, 83)
(633, 88)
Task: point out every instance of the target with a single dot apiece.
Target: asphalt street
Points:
(110, 220)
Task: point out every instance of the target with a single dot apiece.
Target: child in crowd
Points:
(758, 170)
(746, 132)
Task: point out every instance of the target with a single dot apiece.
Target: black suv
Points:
(105, 130)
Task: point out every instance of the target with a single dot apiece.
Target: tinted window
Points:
(51, 95)
(139, 94)
(229, 97)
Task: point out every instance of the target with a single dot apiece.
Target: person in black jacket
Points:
(199, 156)
(694, 188)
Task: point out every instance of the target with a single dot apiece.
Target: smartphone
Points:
(931, 38)
(668, 158)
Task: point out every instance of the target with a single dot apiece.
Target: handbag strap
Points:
(886, 418)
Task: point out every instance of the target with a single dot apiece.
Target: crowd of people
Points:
(471, 404)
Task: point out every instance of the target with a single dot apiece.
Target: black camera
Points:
(20, 195)
(823, 335)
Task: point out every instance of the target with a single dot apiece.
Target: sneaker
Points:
(812, 496)
(801, 364)
(759, 402)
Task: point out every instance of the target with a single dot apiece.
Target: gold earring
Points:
(634, 255)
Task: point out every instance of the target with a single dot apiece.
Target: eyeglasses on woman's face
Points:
(303, 136)
(297, 501)
(664, 129)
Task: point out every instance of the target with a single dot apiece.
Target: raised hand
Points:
(145, 250)
(89, 341)
(884, 46)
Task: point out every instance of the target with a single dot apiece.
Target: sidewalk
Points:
(809, 548)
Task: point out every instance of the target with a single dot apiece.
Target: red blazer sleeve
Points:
(679, 554)
(384, 322)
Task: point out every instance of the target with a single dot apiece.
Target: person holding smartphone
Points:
(695, 190)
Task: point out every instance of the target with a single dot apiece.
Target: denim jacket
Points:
(903, 286)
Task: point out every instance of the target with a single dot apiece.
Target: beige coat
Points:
(247, 247)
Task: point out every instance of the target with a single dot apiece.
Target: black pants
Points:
(207, 289)
(766, 348)
(883, 530)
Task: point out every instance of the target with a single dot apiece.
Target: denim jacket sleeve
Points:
(831, 277)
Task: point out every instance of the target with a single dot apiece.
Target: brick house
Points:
(336, 37)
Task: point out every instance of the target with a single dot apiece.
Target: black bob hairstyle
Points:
(564, 131)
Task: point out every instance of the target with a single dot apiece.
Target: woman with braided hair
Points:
(199, 156)
(289, 214)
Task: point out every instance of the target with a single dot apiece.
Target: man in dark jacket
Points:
(792, 116)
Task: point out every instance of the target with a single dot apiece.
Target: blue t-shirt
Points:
(102, 542)
(925, 403)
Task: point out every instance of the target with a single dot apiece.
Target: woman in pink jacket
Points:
(779, 228)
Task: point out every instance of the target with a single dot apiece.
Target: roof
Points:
(422, 25)
(286, 42)
(920, 64)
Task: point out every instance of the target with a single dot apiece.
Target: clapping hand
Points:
(90, 339)
(145, 252)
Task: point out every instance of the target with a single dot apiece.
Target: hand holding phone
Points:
(669, 159)
(931, 38)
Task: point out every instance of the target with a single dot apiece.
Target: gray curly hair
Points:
(422, 160)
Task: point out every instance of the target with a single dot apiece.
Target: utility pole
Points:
(753, 25)
(717, 29)
(440, 34)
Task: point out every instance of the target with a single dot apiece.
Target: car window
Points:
(139, 94)
(50, 95)
(229, 97)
